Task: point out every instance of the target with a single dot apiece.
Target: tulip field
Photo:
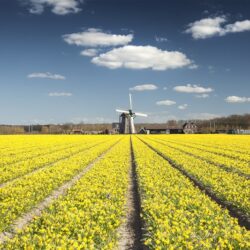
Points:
(124, 192)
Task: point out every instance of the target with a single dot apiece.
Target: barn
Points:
(161, 129)
(186, 128)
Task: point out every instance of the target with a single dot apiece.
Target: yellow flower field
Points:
(193, 191)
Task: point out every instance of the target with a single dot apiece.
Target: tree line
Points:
(231, 122)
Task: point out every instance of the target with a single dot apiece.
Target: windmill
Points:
(126, 120)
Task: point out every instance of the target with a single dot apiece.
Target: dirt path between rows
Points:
(131, 231)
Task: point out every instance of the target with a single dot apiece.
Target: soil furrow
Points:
(131, 231)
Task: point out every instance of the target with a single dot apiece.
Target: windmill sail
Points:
(130, 101)
(141, 114)
(122, 111)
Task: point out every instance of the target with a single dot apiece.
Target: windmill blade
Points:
(122, 111)
(130, 101)
(141, 114)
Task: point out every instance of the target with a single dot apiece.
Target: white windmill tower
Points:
(127, 119)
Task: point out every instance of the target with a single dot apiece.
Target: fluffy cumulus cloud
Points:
(165, 103)
(144, 87)
(209, 27)
(142, 57)
(238, 26)
(206, 27)
(89, 52)
(47, 75)
(59, 7)
(59, 94)
(96, 37)
(189, 88)
(237, 99)
(182, 107)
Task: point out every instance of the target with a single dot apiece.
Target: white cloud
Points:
(56, 94)
(237, 99)
(160, 39)
(206, 27)
(165, 102)
(142, 57)
(202, 116)
(189, 88)
(96, 37)
(59, 7)
(182, 107)
(238, 26)
(89, 52)
(202, 96)
(144, 87)
(209, 27)
(47, 75)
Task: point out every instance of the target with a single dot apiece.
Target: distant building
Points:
(115, 128)
(175, 131)
(186, 128)
(143, 131)
(220, 131)
(76, 132)
(239, 131)
(243, 131)
(160, 129)
(148, 130)
(93, 132)
(190, 128)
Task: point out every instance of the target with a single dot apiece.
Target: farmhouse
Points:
(190, 128)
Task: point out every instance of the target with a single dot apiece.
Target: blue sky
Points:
(76, 61)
